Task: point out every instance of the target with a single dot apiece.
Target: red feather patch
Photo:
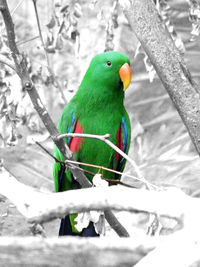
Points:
(75, 142)
(120, 143)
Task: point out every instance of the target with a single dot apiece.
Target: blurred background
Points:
(73, 32)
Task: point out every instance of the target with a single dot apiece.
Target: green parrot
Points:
(97, 108)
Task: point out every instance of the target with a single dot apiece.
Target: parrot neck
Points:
(99, 98)
(94, 95)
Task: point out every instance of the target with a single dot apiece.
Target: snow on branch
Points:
(40, 207)
(140, 251)
(179, 249)
(73, 251)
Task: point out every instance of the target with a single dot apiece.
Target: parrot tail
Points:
(66, 229)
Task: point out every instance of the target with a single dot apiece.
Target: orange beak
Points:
(125, 75)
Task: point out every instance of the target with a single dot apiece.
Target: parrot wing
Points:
(68, 124)
(123, 142)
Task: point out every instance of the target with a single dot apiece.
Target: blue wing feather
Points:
(125, 134)
(70, 127)
(125, 140)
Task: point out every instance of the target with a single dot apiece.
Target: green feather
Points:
(98, 106)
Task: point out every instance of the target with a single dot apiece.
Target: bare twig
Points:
(46, 151)
(16, 7)
(27, 41)
(21, 68)
(56, 82)
(90, 165)
(8, 62)
(150, 185)
(99, 137)
(106, 169)
(64, 162)
(104, 138)
(40, 31)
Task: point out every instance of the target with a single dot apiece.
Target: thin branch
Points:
(94, 136)
(104, 138)
(8, 62)
(29, 86)
(114, 181)
(57, 84)
(90, 165)
(16, 7)
(114, 171)
(63, 162)
(40, 31)
(27, 41)
(46, 151)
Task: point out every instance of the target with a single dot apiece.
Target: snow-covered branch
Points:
(37, 206)
(74, 251)
(140, 251)
(40, 207)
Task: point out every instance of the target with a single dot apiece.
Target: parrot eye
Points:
(108, 63)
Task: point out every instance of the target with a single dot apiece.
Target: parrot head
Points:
(110, 69)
